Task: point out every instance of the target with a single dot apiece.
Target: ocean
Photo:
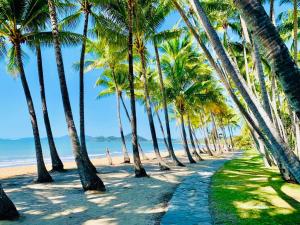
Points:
(21, 152)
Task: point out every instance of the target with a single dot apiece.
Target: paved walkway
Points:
(189, 204)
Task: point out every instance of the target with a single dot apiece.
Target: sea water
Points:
(21, 152)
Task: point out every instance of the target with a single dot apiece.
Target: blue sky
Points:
(100, 114)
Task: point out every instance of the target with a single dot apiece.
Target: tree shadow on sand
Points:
(128, 200)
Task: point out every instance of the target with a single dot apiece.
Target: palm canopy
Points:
(24, 22)
(188, 75)
(111, 60)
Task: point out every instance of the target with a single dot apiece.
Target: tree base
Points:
(177, 163)
(58, 168)
(192, 161)
(8, 210)
(163, 167)
(126, 160)
(140, 173)
(95, 185)
(44, 179)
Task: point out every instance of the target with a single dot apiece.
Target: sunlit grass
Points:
(244, 192)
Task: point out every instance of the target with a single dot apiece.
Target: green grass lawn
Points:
(245, 192)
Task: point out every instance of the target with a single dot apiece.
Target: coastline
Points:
(98, 160)
(128, 200)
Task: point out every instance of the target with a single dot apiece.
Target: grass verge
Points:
(244, 192)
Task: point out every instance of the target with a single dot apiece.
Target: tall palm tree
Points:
(16, 17)
(281, 151)
(158, 15)
(57, 164)
(85, 9)
(139, 170)
(113, 78)
(88, 177)
(180, 64)
(281, 61)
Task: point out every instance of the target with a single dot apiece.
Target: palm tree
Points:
(113, 78)
(139, 170)
(158, 15)
(281, 61)
(180, 64)
(115, 23)
(88, 177)
(8, 210)
(87, 9)
(57, 164)
(16, 17)
(280, 150)
(143, 23)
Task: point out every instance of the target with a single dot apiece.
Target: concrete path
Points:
(189, 204)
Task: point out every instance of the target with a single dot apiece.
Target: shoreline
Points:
(128, 200)
(13, 171)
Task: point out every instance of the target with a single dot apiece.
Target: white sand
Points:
(128, 200)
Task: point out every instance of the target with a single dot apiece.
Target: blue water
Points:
(22, 152)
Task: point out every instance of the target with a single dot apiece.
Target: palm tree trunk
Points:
(81, 93)
(284, 153)
(260, 147)
(8, 210)
(139, 170)
(165, 107)
(295, 17)
(162, 164)
(124, 148)
(194, 153)
(261, 78)
(128, 117)
(276, 51)
(185, 143)
(162, 131)
(215, 132)
(197, 141)
(272, 12)
(88, 177)
(57, 164)
(43, 175)
(231, 137)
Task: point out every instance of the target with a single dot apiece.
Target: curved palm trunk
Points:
(124, 148)
(162, 164)
(165, 107)
(283, 152)
(43, 175)
(276, 51)
(274, 146)
(162, 131)
(88, 177)
(57, 164)
(295, 17)
(225, 138)
(185, 143)
(139, 170)
(128, 117)
(230, 136)
(8, 210)
(194, 153)
(215, 133)
(81, 94)
(261, 78)
(272, 13)
(197, 141)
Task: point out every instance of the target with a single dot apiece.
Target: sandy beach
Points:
(128, 200)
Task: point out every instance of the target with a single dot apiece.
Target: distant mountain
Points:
(62, 138)
(29, 140)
